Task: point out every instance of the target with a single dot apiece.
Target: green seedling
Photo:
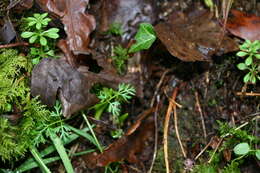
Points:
(250, 51)
(40, 35)
(115, 29)
(111, 100)
(120, 58)
(144, 38)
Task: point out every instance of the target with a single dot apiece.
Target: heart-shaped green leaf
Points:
(144, 38)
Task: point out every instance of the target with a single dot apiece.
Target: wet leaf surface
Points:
(194, 36)
(244, 25)
(77, 23)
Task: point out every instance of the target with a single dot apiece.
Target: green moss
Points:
(16, 138)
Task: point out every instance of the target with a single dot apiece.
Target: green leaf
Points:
(241, 53)
(257, 154)
(249, 61)
(253, 79)
(38, 25)
(247, 77)
(45, 21)
(31, 23)
(144, 38)
(62, 152)
(242, 66)
(27, 34)
(257, 56)
(43, 15)
(35, 61)
(84, 134)
(52, 33)
(37, 15)
(43, 41)
(241, 149)
(39, 160)
(33, 39)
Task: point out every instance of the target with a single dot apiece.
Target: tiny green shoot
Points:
(40, 35)
(250, 51)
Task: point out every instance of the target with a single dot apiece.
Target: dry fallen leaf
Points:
(128, 13)
(194, 36)
(77, 23)
(246, 26)
(128, 146)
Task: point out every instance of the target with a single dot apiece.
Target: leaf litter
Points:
(194, 36)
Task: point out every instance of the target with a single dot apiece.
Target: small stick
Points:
(177, 131)
(158, 86)
(14, 45)
(165, 130)
(220, 141)
(156, 134)
(204, 149)
(247, 94)
(201, 114)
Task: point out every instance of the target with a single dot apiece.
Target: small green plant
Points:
(144, 37)
(111, 99)
(210, 4)
(39, 34)
(250, 50)
(120, 58)
(115, 29)
(239, 141)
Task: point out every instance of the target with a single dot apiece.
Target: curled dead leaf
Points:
(194, 36)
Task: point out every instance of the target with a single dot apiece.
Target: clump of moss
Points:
(16, 138)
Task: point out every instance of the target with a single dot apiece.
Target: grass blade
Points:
(62, 152)
(39, 160)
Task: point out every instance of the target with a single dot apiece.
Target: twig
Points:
(165, 130)
(201, 114)
(204, 149)
(177, 131)
(173, 101)
(158, 86)
(14, 45)
(211, 158)
(155, 135)
(247, 94)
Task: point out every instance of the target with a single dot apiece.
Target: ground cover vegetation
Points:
(93, 86)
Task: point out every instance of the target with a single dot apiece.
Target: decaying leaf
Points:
(194, 36)
(20, 5)
(244, 25)
(128, 13)
(7, 32)
(128, 146)
(77, 23)
(73, 84)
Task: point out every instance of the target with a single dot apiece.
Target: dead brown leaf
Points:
(128, 146)
(77, 23)
(244, 25)
(128, 13)
(52, 77)
(194, 36)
